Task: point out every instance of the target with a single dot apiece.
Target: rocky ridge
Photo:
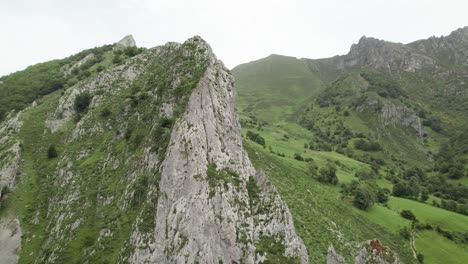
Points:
(169, 161)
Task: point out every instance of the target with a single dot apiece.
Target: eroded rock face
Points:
(391, 114)
(203, 219)
(127, 41)
(10, 239)
(333, 257)
(157, 181)
(401, 115)
(386, 56)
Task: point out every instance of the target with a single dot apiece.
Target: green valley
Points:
(386, 128)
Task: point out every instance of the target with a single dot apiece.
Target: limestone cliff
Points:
(151, 170)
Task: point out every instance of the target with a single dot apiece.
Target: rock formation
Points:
(127, 41)
(161, 178)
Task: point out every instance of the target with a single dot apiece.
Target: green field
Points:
(316, 207)
(432, 215)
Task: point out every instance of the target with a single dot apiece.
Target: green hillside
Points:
(396, 140)
(275, 87)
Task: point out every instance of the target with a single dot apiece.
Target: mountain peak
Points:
(127, 41)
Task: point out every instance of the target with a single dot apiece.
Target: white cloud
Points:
(239, 31)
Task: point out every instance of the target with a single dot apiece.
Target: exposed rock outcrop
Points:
(401, 115)
(386, 56)
(127, 41)
(163, 178)
(373, 252)
(333, 257)
(391, 114)
(200, 218)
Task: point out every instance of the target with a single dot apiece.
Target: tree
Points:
(424, 195)
(82, 102)
(363, 197)
(382, 195)
(400, 189)
(365, 174)
(327, 174)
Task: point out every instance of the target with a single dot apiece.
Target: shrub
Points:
(327, 174)
(408, 215)
(166, 122)
(405, 232)
(100, 68)
(255, 137)
(105, 112)
(312, 167)
(82, 102)
(382, 195)
(401, 189)
(52, 152)
(365, 174)
(367, 146)
(420, 258)
(363, 197)
(117, 59)
(132, 51)
(297, 156)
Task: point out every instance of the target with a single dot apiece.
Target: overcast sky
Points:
(238, 30)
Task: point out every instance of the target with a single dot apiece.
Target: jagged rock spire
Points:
(127, 41)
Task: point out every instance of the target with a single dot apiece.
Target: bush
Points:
(363, 197)
(117, 59)
(255, 137)
(297, 156)
(166, 122)
(82, 102)
(405, 232)
(365, 174)
(132, 51)
(100, 68)
(408, 215)
(327, 174)
(382, 195)
(401, 189)
(420, 258)
(367, 146)
(52, 152)
(312, 168)
(105, 112)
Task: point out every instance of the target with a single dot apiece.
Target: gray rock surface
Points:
(198, 218)
(391, 114)
(194, 225)
(10, 239)
(127, 41)
(333, 257)
(373, 252)
(401, 115)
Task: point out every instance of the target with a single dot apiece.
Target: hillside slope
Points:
(139, 163)
(390, 118)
